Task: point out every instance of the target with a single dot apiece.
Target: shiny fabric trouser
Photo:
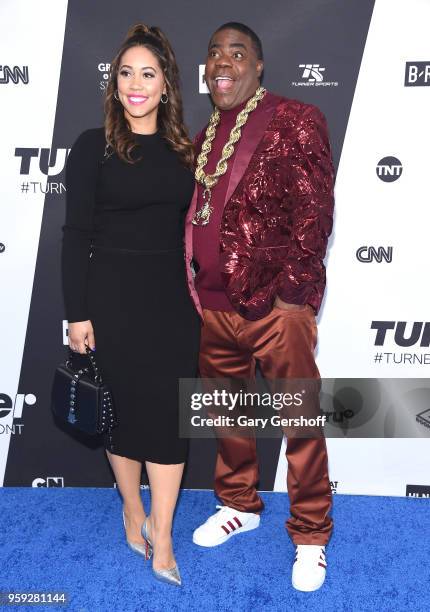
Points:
(283, 344)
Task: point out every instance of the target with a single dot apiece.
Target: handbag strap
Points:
(90, 355)
(92, 359)
(72, 399)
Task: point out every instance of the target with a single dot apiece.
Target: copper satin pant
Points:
(283, 343)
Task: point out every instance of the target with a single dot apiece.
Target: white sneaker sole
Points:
(226, 537)
(308, 589)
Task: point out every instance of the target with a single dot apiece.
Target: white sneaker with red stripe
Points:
(309, 567)
(223, 524)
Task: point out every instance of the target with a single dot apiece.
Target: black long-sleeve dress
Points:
(123, 269)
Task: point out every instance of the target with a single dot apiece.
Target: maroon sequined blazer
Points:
(278, 210)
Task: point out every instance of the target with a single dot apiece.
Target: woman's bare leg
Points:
(128, 475)
(164, 481)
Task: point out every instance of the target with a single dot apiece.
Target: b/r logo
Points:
(417, 74)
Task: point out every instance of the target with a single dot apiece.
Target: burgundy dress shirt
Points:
(206, 239)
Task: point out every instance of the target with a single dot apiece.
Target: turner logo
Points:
(7, 405)
(12, 409)
(417, 74)
(49, 481)
(389, 169)
(418, 333)
(104, 69)
(312, 75)
(368, 254)
(13, 75)
(50, 162)
(203, 88)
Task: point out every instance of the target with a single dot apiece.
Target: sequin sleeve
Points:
(309, 202)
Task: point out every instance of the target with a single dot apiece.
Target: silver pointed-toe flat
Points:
(171, 576)
(141, 549)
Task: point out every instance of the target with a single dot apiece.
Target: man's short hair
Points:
(241, 27)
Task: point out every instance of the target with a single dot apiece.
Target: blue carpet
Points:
(72, 540)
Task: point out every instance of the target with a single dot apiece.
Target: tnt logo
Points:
(367, 254)
(420, 332)
(417, 74)
(105, 70)
(51, 162)
(7, 406)
(14, 75)
(49, 482)
(203, 88)
(312, 72)
(389, 169)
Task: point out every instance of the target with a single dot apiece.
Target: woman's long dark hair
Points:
(169, 117)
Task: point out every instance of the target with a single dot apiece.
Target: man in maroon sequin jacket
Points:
(260, 281)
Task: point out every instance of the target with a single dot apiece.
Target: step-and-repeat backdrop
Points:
(366, 65)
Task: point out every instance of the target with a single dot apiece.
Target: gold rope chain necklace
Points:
(210, 180)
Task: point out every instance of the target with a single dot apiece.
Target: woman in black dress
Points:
(129, 185)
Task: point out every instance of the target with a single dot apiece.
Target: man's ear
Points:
(260, 68)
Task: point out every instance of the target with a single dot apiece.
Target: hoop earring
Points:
(115, 95)
(166, 99)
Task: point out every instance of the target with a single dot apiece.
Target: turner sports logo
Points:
(312, 75)
(11, 410)
(14, 75)
(417, 74)
(389, 169)
(417, 491)
(49, 481)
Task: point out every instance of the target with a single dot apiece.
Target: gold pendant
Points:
(204, 214)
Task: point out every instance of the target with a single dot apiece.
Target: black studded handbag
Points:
(79, 397)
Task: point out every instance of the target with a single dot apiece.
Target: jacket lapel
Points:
(252, 133)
